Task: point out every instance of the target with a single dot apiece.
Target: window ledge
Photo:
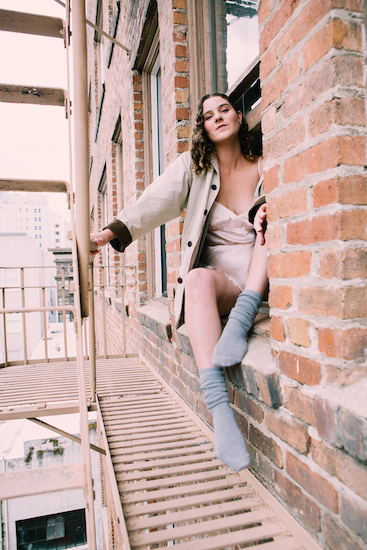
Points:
(157, 319)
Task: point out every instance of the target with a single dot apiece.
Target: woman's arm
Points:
(260, 223)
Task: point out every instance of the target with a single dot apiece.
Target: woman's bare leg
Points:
(208, 295)
(232, 345)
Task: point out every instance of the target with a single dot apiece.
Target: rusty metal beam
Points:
(12, 93)
(30, 23)
(37, 186)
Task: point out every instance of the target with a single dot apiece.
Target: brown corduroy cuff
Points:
(123, 237)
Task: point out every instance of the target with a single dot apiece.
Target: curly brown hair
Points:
(202, 149)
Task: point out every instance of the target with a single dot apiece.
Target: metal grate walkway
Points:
(172, 488)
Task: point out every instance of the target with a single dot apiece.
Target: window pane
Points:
(235, 40)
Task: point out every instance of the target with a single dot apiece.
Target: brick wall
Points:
(299, 395)
(314, 119)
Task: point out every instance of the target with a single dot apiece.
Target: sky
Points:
(33, 138)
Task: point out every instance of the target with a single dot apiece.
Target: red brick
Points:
(270, 391)
(182, 114)
(272, 237)
(325, 192)
(277, 329)
(181, 82)
(345, 376)
(317, 229)
(271, 179)
(321, 301)
(181, 66)
(179, 4)
(354, 516)
(300, 405)
(342, 111)
(290, 264)
(292, 433)
(281, 297)
(352, 433)
(268, 62)
(328, 154)
(342, 71)
(313, 483)
(299, 332)
(286, 205)
(336, 34)
(353, 190)
(348, 470)
(179, 18)
(264, 11)
(266, 446)
(276, 23)
(300, 368)
(337, 538)
(303, 24)
(244, 402)
(353, 225)
(292, 494)
(325, 421)
(343, 344)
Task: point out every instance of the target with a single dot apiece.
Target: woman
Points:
(217, 186)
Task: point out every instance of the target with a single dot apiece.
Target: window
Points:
(102, 188)
(100, 63)
(153, 136)
(219, 30)
(56, 532)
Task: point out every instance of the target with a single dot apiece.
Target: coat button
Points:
(205, 212)
(179, 280)
(189, 243)
(214, 187)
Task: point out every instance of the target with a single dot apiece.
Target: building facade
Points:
(299, 394)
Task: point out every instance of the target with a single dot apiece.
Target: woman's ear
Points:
(240, 116)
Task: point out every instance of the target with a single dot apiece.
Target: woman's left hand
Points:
(260, 223)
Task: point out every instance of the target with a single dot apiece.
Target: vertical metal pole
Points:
(5, 340)
(45, 323)
(82, 234)
(63, 291)
(104, 312)
(91, 332)
(23, 315)
(81, 150)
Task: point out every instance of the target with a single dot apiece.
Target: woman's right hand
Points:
(260, 223)
(102, 238)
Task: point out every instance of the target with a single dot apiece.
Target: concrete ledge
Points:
(156, 319)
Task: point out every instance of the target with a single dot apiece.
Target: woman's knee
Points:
(198, 283)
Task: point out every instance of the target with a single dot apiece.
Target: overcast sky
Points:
(33, 138)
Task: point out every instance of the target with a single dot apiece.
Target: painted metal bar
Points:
(4, 321)
(104, 327)
(64, 312)
(65, 434)
(23, 315)
(81, 150)
(45, 322)
(92, 344)
(81, 231)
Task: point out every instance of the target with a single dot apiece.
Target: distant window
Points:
(65, 530)
(57, 225)
(57, 232)
(57, 240)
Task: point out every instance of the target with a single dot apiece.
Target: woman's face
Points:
(221, 121)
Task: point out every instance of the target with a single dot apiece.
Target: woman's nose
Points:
(218, 116)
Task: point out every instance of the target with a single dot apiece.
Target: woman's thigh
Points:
(208, 287)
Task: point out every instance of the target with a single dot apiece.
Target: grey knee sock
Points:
(229, 442)
(232, 345)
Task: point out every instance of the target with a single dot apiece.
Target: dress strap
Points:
(258, 167)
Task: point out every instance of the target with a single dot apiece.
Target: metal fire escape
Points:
(168, 488)
(78, 475)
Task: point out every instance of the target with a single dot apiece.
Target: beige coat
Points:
(176, 189)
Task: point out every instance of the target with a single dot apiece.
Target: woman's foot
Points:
(230, 445)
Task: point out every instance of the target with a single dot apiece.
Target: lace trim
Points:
(232, 223)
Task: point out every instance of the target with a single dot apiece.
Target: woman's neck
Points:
(229, 156)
